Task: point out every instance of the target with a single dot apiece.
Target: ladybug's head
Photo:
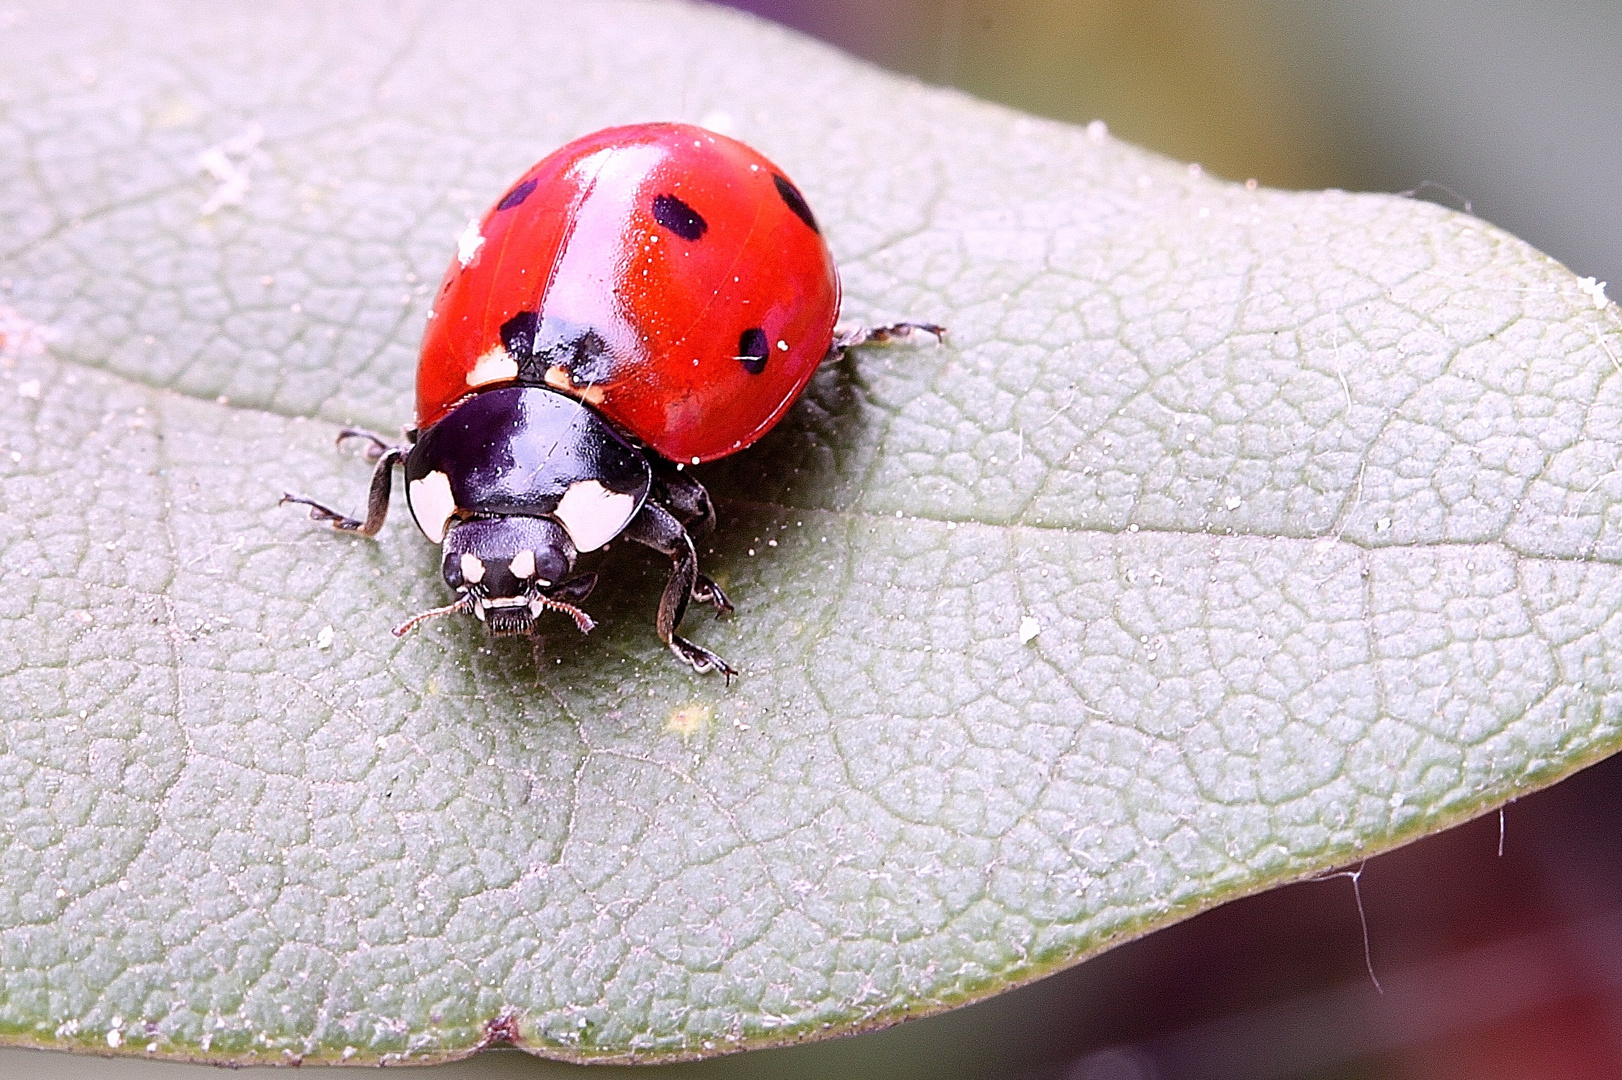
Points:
(507, 570)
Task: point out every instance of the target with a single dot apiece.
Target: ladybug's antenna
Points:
(462, 603)
(581, 619)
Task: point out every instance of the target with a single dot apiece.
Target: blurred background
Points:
(1498, 945)
(1513, 108)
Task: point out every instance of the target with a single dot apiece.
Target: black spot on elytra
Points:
(516, 195)
(678, 217)
(796, 202)
(538, 345)
(518, 335)
(581, 352)
(753, 350)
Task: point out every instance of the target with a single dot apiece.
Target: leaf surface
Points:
(1235, 535)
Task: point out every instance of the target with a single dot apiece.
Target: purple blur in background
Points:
(1513, 107)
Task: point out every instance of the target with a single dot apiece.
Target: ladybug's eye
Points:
(678, 217)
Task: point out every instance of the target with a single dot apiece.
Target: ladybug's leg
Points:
(574, 590)
(690, 503)
(376, 447)
(706, 591)
(862, 335)
(688, 500)
(377, 501)
(660, 530)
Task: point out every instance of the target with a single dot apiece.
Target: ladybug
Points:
(643, 299)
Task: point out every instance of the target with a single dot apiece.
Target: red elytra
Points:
(671, 277)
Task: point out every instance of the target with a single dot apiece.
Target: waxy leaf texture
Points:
(1234, 535)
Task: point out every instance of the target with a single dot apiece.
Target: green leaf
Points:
(1234, 536)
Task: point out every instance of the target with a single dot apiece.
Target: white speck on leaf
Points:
(29, 389)
(1595, 290)
(21, 336)
(1028, 629)
(323, 638)
(232, 175)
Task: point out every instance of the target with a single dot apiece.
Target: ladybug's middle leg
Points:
(377, 500)
(660, 530)
(687, 499)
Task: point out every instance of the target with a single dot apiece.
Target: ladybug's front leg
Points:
(659, 529)
(377, 500)
(376, 445)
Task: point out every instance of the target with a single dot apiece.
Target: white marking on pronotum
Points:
(497, 365)
(469, 243)
(472, 568)
(432, 504)
(523, 565)
(593, 514)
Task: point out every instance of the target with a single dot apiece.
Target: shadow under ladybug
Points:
(515, 485)
(517, 482)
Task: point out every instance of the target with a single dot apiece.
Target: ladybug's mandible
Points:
(643, 299)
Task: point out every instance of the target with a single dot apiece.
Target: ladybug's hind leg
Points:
(690, 503)
(662, 531)
(377, 500)
(862, 335)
